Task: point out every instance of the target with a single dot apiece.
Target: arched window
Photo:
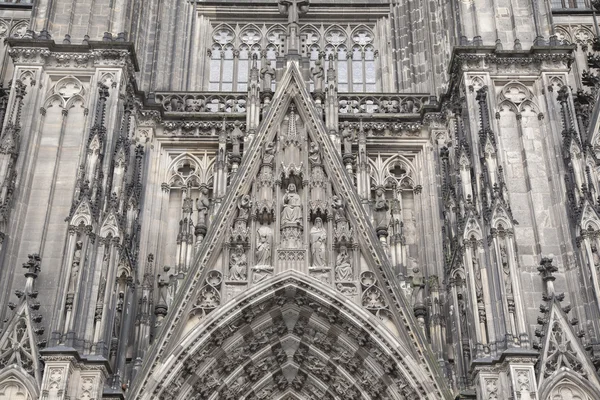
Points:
(230, 66)
(356, 68)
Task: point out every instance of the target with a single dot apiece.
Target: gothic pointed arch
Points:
(15, 385)
(20, 365)
(563, 356)
(567, 385)
(589, 218)
(302, 293)
(289, 333)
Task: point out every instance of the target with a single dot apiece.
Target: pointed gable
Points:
(563, 354)
(291, 118)
(20, 367)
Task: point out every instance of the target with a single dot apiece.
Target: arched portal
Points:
(291, 339)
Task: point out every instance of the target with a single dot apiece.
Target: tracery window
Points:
(353, 48)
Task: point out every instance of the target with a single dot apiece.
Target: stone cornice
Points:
(492, 60)
(102, 53)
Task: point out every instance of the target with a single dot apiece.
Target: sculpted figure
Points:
(203, 204)
(314, 153)
(505, 269)
(267, 73)
(595, 256)
(343, 268)
(292, 207)
(318, 237)
(381, 207)
(75, 266)
(347, 138)
(244, 204)
(318, 75)
(238, 264)
(263, 246)
(269, 153)
(338, 207)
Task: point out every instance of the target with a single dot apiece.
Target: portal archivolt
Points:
(289, 339)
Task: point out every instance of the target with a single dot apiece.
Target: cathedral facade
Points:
(299, 199)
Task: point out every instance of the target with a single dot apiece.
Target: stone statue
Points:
(75, 266)
(381, 208)
(314, 153)
(236, 136)
(343, 268)
(338, 206)
(238, 264)
(263, 246)
(318, 75)
(267, 74)
(595, 256)
(347, 137)
(292, 207)
(318, 239)
(477, 272)
(203, 204)
(244, 204)
(269, 153)
(505, 269)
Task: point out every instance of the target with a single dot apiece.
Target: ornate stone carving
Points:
(343, 266)
(238, 264)
(318, 244)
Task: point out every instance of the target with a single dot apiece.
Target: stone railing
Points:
(349, 104)
(191, 102)
(381, 103)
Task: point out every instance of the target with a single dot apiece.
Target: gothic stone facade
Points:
(299, 199)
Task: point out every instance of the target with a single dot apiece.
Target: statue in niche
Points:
(318, 238)
(267, 73)
(269, 153)
(462, 314)
(314, 153)
(202, 205)
(238, 264)
(381, 208)
(505, 269)
(292, 207)
(244, 204)
(595, 257)
(318, 75)
(478, 282)
(343, 268)
(75, 266)
(236, 136)
(263, 246)
(347, 137)
(503, 256)
(338, 206)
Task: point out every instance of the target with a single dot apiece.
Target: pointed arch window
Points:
(356, 59)
(230, 63)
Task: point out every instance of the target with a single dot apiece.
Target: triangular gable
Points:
(589, 217)
(19, 347)
(563, 351)
(290, 90)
